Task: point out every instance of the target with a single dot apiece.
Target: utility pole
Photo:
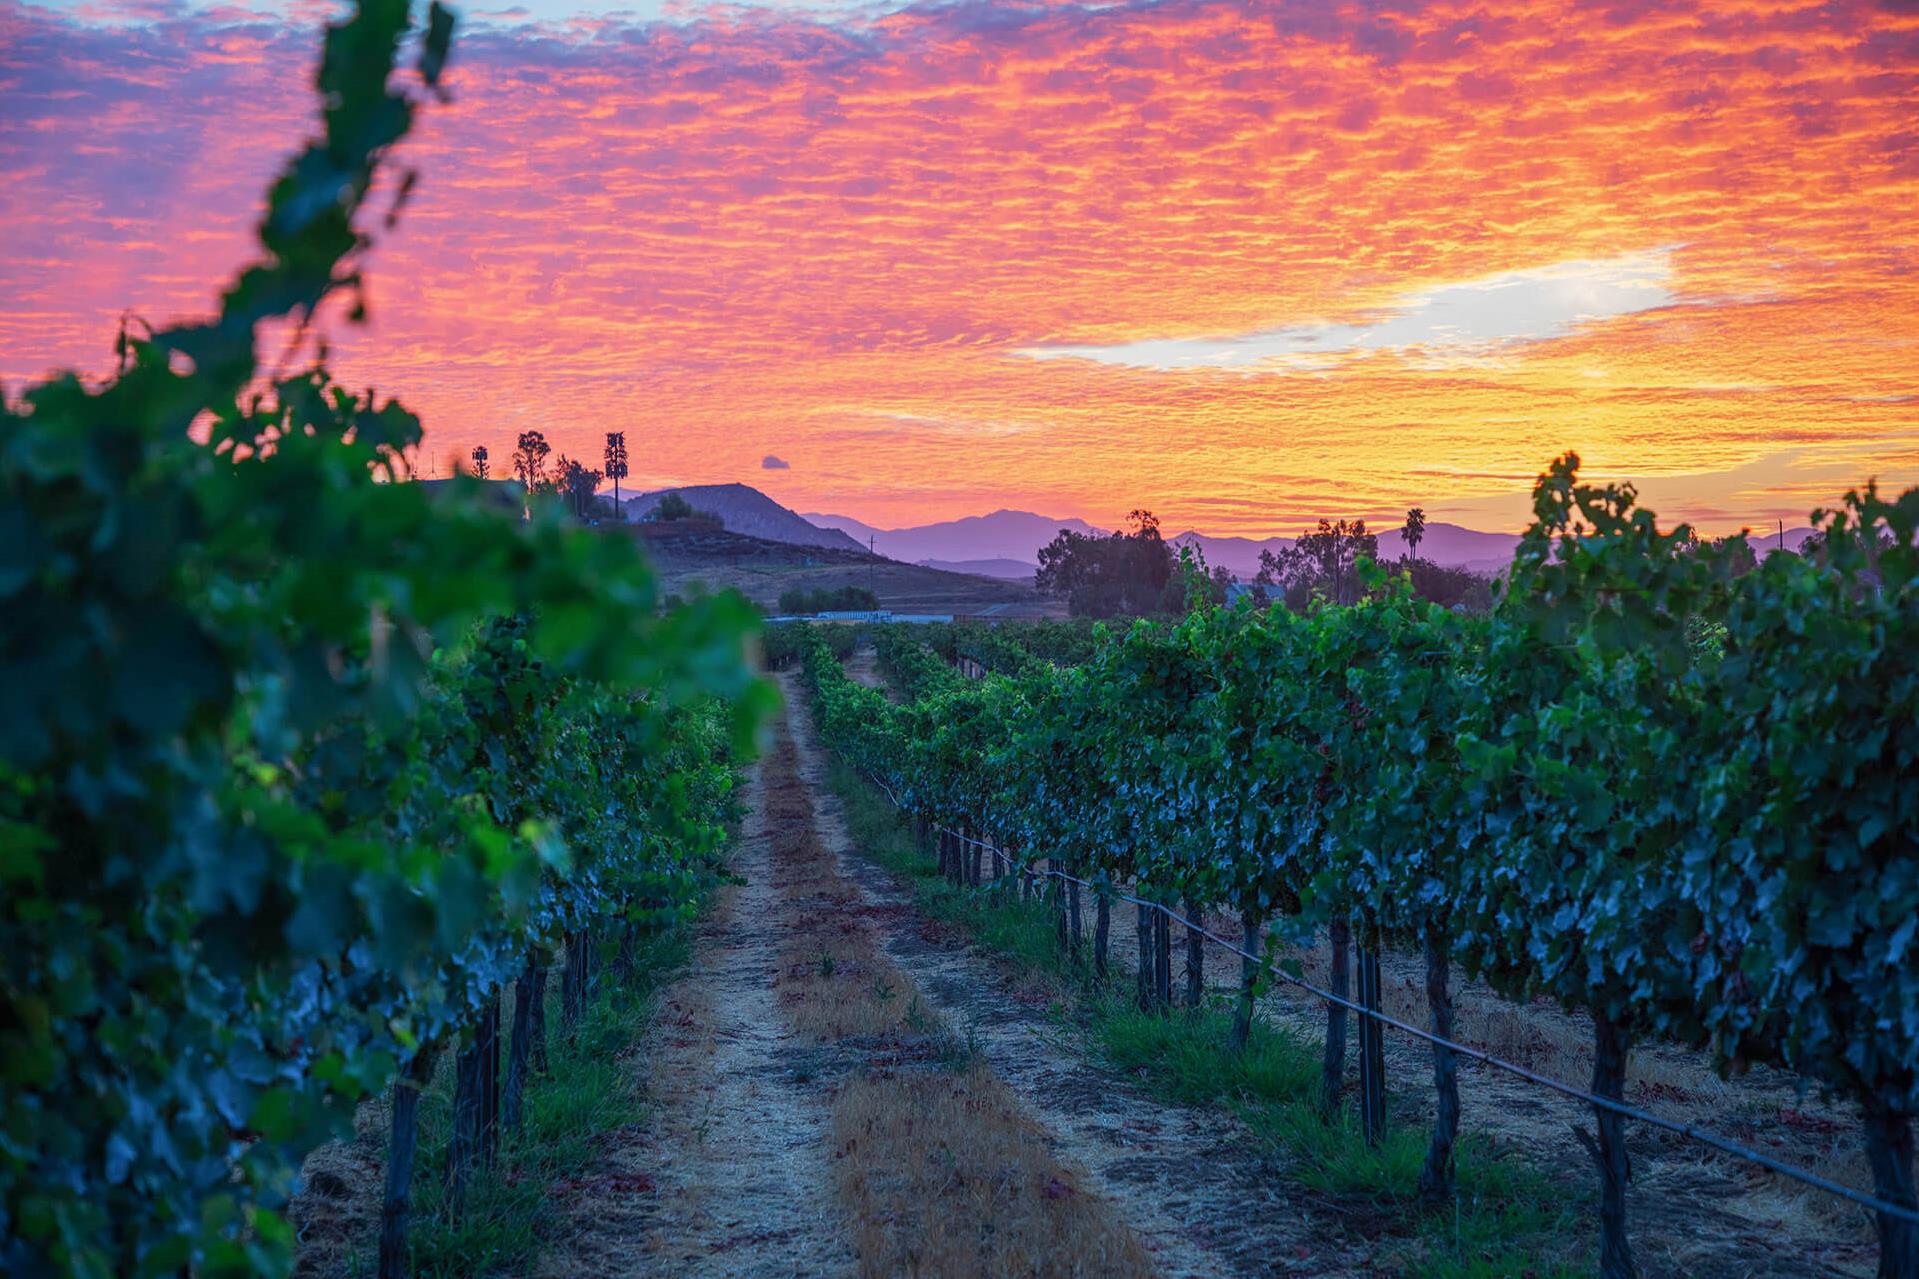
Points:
(1782, 533)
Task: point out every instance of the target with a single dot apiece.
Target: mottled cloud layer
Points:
(1247, 263)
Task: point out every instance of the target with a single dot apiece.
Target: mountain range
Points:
(1006, 543)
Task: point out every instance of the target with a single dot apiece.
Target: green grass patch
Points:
(1508, 1218)
(1190, 1059)
(585, 1093)
(1020, 929)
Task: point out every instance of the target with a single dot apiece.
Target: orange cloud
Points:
(758, 234)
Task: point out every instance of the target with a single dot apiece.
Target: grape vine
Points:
(300, 765)
(1571, 797)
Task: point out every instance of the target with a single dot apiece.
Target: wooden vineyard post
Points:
(519, 1057)
(1162, 960)
(1195, 958)
(1056, 890)
(569, 972)
(1144, 934)
(573, 985)
(1072, 897)
(1372, 1049)
(536, 1026)
(1102, 931)
(1248, 979)
(1436, 1179)
(397, 1207)
(629, 959)
(463, 1145)
(489, 1046)
(1332, 1074)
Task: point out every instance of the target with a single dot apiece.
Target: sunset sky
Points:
(1246, 264)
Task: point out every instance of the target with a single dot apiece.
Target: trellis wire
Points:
(1724, 1145)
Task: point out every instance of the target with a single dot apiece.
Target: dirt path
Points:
(732, 1174)
(1186, 1180)
(862, 667)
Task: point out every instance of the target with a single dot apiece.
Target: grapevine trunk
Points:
(1610, 1047)
(405, 1141)
(1889, 1148)
(1436, 1179)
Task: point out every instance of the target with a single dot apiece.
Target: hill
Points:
(745, 510)
(697, 555)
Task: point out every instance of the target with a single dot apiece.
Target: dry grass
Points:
(944, 1175)
(337, 1212)
(939, 1168)
(833, 981)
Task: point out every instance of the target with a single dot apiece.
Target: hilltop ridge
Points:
(743, 509)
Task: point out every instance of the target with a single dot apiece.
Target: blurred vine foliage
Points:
(297, 763)
(1657, 783)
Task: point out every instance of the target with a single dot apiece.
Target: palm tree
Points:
(616, 467)
(1415, 531)
(479, 460)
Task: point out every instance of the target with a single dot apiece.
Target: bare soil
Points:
(731, 1174)
(816, 1113)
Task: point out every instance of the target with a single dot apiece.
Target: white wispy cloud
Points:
(1465, 317)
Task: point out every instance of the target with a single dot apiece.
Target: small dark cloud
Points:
(771, 463)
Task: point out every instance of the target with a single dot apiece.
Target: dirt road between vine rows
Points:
(1201, 1196)
(730, 1173)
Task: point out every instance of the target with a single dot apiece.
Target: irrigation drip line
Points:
(1689, 1131)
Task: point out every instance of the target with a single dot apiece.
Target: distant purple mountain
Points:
(1764, 543)
(1017, 536)
(1447, 544)
(1011, 570)
(1003, 535)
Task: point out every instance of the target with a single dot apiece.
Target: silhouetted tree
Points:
(674, 506)
(1459, 589)
(479, 460)
(1108, 575)
(820, 599)
(1415, 531)
(1323, 562)
(576, 483)
(615, 466)
(529, 460)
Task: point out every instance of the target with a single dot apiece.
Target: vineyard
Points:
(343, 818)
(1652, 786)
